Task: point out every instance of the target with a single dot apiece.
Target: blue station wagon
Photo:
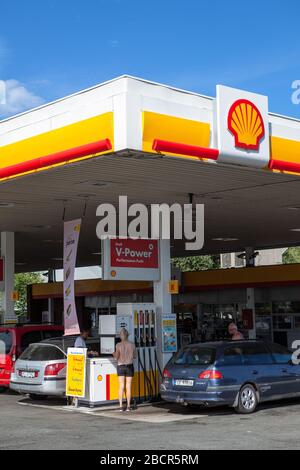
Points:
(238, 374)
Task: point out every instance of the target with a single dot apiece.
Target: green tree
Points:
(196, 263)
(22, 280)
(291, 256)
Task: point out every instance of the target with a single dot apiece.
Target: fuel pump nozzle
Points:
(137, 338)
(152, 328)
(142, 329)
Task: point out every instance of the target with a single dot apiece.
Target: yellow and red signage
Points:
(246, 124)
(76, 372)
(173, 287)
(72, 142)
(127, 259)
(242, 128)
(235, 128)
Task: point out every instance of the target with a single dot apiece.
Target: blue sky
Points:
(53, 48)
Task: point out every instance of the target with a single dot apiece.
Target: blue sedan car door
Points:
(249, 362)
(288, 383)
(260, 368)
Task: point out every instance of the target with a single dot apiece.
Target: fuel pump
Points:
(140, 322)
(144, 336)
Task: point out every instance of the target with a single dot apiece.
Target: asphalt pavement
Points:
(49, 425)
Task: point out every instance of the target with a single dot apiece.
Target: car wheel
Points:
(37, 397)
(2, 389)
(248, 401)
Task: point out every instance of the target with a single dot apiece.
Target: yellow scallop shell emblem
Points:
(245, 122)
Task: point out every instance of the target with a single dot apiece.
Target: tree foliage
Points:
(291, 256)
(22, 280)
(196, 263)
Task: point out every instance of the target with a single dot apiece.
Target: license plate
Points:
(28, 374)
(184, 383)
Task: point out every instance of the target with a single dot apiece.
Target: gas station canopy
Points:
(155, 144)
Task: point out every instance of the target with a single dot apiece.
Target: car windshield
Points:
(6, 341)
(38, 352)
(195, 356)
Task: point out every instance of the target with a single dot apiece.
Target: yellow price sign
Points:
(76, 371)
(15, 296)
(174, 287)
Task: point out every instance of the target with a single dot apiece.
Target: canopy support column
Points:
(162, 298)
(8, 254)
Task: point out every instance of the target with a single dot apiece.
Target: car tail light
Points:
(13, 367)
(14, 354)
(54, 369)
(167, 374)
(211, 375)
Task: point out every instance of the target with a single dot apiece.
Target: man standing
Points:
(81, 342)
(234, 333)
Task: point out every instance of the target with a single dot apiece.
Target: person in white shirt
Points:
(81, 342)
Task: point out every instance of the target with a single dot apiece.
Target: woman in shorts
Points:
(125, 354)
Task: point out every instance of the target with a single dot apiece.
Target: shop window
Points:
(282, 322)
(296, 307)
(216, 318)
(29, 338)
(286, 307)
(263, 309)
(103, 311)
(47, 334)
(264, 327)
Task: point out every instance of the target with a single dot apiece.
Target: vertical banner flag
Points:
(71, 237)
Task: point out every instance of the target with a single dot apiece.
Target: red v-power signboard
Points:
(131, 260)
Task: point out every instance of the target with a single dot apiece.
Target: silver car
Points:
(41, 369)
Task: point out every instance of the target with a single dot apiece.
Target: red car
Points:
(15, 339)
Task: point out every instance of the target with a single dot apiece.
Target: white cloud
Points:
(17, 98)
(114, 43)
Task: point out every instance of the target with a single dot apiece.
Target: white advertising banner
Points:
(71, 238)
(242, 127)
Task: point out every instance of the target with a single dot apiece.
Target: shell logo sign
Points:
(246, 124)
(242, 131)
